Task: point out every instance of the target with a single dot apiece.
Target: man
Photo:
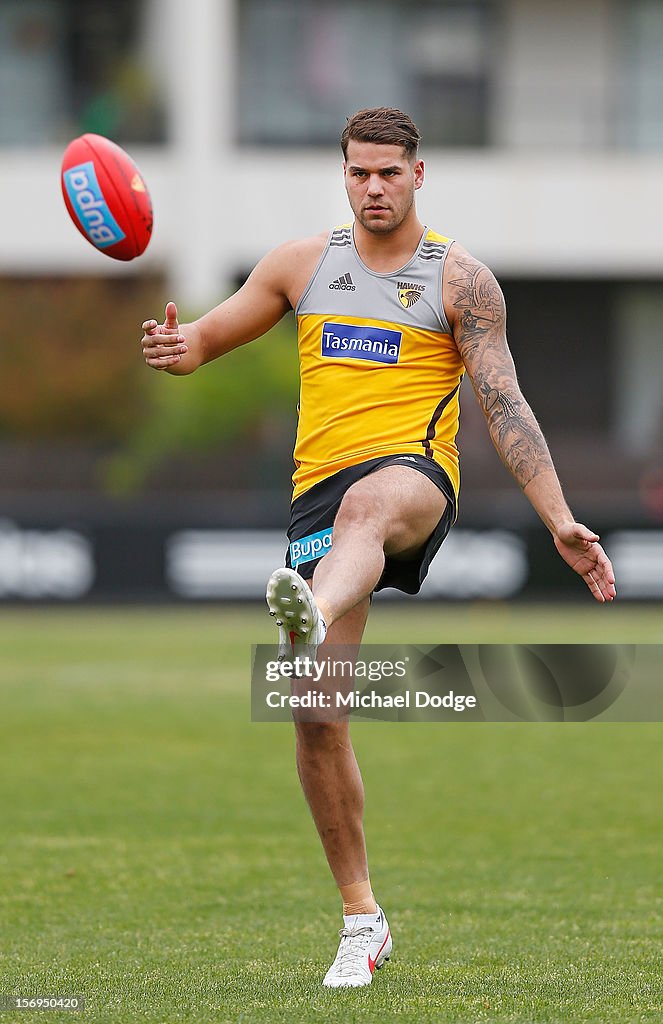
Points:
(390, 315)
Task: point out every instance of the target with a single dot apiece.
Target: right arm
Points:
(270, 291)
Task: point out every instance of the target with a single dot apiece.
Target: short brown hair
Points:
(383, 125)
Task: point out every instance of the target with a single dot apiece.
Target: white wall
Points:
(522, 214)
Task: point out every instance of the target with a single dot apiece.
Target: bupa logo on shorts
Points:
(308, 548)
(347, 341)
(90, 206)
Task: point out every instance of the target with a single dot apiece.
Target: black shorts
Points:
(312, 518)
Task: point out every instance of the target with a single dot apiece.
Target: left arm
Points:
(475, 308)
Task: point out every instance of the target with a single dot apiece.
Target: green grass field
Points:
(156, 855)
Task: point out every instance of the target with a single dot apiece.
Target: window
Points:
(306, 65)
(641, 123)
(69, 66)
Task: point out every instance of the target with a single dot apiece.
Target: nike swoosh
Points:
(371, 961)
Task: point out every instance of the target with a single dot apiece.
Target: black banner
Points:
(162, 556)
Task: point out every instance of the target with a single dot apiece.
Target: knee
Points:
(319, 738)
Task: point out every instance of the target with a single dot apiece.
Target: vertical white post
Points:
(200, 74)
(638, 421)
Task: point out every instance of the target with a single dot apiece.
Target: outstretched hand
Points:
(580, 549)
(163, 345)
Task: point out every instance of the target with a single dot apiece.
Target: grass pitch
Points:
(156, 855)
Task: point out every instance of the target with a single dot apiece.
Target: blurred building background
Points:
(543, 143)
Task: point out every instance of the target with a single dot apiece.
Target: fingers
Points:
(602, 591)
(594, 586)
(163, 350)
(601, 579)
(163, 345)
(171, 322)
(163, 362)
(584, 535)
(604, 574)
(580, 549)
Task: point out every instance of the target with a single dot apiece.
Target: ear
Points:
(418, 173)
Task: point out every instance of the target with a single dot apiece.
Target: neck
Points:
(384, 253)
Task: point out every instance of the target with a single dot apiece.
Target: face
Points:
(381, 182)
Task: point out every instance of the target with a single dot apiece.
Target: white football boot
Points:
(301, 626)
(365, 945)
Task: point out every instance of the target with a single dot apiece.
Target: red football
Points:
(106, 197)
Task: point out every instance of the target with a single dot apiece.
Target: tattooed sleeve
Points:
(479, 325)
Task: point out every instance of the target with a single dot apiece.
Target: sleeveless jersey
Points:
(380, 372)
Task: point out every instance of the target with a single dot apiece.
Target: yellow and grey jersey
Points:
(380, 372)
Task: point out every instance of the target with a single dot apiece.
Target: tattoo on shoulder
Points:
(477, 294)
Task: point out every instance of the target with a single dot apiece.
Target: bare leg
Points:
(330, 775)
(393, 511)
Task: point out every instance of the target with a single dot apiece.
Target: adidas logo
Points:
(343, 284)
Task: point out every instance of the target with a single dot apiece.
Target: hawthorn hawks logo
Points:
(408, 293)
